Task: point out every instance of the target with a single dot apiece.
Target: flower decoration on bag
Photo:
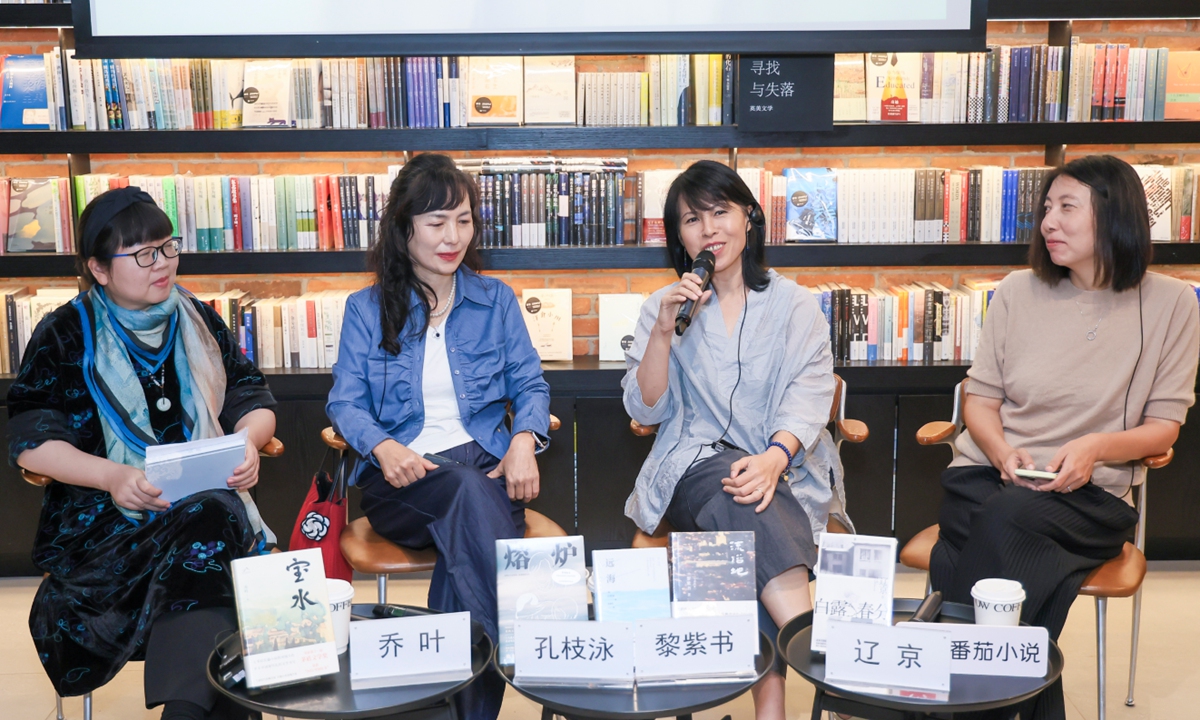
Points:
(315, 526)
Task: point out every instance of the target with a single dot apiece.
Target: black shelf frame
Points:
(591, 138)
(35, 16)
(814, 255)
(1091, 9)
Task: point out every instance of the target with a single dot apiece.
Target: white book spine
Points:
(1002, 98)
(75, 84)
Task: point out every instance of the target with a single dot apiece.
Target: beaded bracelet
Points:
(781, 446)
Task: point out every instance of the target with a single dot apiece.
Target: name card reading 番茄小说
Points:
(412, 650)
(1020, 651)
(574, 652)
(712, 649)
(889, 660)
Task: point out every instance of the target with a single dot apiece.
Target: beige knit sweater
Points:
(1056, 385)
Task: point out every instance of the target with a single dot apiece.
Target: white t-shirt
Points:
(443, 425)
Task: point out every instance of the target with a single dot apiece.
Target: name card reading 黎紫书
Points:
(712, 649)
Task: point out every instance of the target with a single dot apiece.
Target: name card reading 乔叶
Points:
(994, 649)
(410, 650)
(889, 660)
(574, 652)
(712, 649)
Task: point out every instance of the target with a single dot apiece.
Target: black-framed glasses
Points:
(147, 256)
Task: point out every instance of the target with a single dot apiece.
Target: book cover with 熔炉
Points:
(712, 573)
(283, 613)
(538, 579)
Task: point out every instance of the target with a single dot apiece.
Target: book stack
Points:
(260, 212)
(551, 201)
(1037, 83)
(914, 323)
(20, 313)
(35, 215)
(284, 332)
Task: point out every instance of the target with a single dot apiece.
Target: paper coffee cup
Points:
(341, 595)
(998, 601)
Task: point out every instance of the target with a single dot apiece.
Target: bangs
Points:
(443, 190)
(140, 223)
(700, 197)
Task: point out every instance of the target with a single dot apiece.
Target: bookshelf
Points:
(537, 139)
(807, 255)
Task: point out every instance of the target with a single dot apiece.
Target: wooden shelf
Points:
(537, 140)
(30, 16)
(596, 258)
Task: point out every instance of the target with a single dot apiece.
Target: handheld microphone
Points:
(702, 266)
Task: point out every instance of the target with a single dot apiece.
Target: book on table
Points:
(538, 579)
(712, 573)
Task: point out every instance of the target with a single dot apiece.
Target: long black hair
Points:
(703, 186)
(428, 183)
(1122, 221)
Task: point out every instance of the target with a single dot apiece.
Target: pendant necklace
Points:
(1091, 334)
(163, 403)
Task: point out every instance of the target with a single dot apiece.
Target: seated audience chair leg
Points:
(1101, 651)
(58, 706)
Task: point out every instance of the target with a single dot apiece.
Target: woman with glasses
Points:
(131, 362)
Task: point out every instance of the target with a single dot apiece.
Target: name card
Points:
(785, 93)
(574, 652)
(716, 649)
(410, 650)
(889, 660)
(995, 650)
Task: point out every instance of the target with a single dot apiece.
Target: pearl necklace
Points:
(449, 301)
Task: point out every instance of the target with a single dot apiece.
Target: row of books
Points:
(1037, 83)
(357, 93)
(213, 213)
(915, 323)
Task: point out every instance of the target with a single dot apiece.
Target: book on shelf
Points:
(548, 318)
(893, 87)
(1182, 86)
(27, 99)
(655, 185)
(538, 579)
(631, 584)
(849, 88)
(284, 617)
(619, 313)
(712, 573)
(811, 204)
(550, 90)
(37, 213)
(495, 91)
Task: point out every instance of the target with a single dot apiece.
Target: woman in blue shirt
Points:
(430, 357)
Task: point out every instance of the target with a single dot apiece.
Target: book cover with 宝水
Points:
(1183, 86)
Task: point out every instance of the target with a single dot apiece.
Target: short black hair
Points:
(1123, 249)
(705, 185)
(141, 222)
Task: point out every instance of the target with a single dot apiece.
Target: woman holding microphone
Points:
(741, 398)
(430, 357)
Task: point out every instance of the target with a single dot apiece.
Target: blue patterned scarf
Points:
(114, 339)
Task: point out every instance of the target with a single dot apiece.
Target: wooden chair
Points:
(369, 553)
(273, 448)
(1120, 577)
(854, 431)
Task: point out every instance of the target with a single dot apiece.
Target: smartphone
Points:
(439, 460)
(1035, 474)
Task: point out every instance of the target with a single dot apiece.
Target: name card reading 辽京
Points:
(708, 649)
(574, 652)
(412, 650)
(1022, 651)
(889, 660)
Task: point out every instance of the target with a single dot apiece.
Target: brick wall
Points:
(1175, 34)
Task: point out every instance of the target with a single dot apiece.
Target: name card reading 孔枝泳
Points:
(574, 652)
(712, 649)
(889, 660)
(1021, 651)
(410, 650)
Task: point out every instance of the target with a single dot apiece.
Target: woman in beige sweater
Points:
(1087, 363)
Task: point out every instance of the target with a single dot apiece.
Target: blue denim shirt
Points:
(377, 395)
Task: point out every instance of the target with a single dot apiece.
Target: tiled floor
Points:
(1168, 672)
